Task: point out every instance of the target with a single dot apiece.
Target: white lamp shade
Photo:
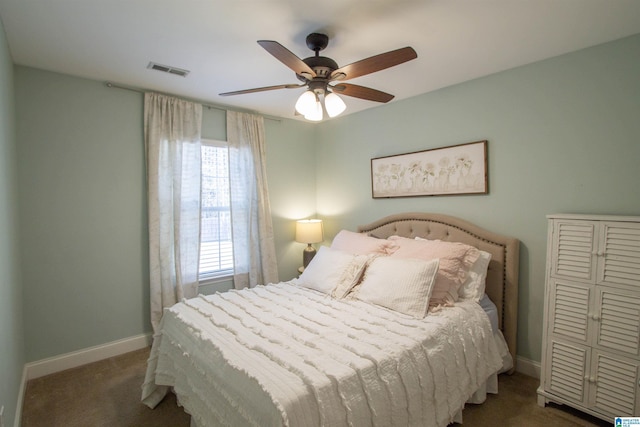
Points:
(309, 231)
(306, 103)
(334, 104)
(315, 114)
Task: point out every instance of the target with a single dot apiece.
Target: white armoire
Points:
(591, 333)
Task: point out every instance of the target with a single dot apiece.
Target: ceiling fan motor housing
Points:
(321, 65)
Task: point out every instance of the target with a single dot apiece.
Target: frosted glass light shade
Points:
(309, 231)
(316, 113)
(306, 103)
(309, 105)
(334, 104)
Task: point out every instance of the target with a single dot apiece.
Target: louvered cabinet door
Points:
(569, 310)
(613, 385)
(619, 255)
(618, 320)
(567, 375)
(574, 250)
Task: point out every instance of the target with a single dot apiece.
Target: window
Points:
(216, 250)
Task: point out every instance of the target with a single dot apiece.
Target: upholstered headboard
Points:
(502, 276)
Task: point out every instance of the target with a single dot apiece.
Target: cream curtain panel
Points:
(172, 130)
(253, 244)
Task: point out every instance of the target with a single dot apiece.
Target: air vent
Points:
(168, 69)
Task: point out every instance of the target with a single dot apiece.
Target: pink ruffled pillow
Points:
(361, 244)
(455, 261)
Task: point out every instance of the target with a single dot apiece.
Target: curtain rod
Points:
(204, 104)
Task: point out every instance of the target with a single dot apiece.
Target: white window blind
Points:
(216, 250)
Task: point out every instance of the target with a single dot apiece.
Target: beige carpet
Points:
(107, 393)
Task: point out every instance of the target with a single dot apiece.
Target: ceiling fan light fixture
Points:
(306, 103)
(315, 115)
(317, 72)
(334, 104)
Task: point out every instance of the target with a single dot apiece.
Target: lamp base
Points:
(307, 255)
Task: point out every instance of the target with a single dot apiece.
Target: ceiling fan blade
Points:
(285, 56)
(263, 89)
(362, 92)
(374, 63)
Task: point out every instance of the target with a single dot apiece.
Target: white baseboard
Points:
(528, 367)
(74, 359)
(23, 385)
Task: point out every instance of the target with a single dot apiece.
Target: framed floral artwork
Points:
(456, 169)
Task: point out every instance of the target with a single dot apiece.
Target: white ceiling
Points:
(456, 41)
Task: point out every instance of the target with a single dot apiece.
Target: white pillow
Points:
(333, 272)
(403, 285)
(473, 288)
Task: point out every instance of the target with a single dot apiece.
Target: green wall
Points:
(83, 212)
(82, 199)
(563, 137)
(12, 354)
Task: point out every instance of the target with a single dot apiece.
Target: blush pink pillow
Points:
(455, 261)
(361, 244)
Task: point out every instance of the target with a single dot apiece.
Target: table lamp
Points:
(308, 231)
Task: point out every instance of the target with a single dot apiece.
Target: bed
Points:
(304, 353)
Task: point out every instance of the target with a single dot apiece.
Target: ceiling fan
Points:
(323, 77)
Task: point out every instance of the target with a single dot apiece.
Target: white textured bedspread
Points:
(284, 355)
